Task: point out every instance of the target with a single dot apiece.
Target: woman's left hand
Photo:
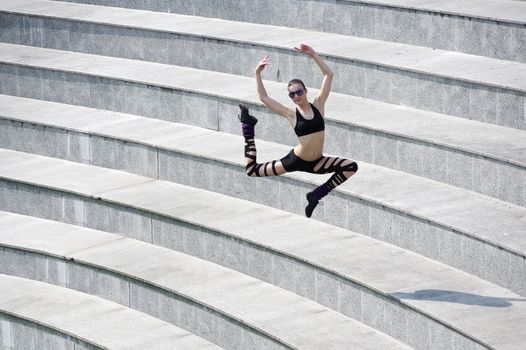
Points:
(306, 49)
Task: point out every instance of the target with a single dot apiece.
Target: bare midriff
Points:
(310, 146)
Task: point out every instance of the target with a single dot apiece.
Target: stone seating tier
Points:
(382, 279)
(37, 315)
(492, 28)
(202, 158)
(467, 86)
(489, 160)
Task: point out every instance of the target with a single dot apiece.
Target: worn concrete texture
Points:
(194, 294)
(414, 299)
(466, 86)
(192, 156)
(58, 318)
(451, 150)
(124, 146)
(335, 292)
(486, 28)
(158, 197)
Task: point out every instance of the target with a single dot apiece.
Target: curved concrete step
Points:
(466, 86)
(486, 28)
(439, 147)
(390, 281)
(58, 318)
(385, 204)
(227, 307)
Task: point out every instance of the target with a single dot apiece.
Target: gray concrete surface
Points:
(215, 211)
(190, 155)
(29, 335)
(269, 316)
(403, 143)
(63, 316)
(497, 248)
(395, 143)
(466, 86)
(380, 133)
(449, 25)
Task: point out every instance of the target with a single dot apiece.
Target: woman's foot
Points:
(313, 202)
(245, 117)
(314, 198)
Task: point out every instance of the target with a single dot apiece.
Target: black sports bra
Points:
(309, 126)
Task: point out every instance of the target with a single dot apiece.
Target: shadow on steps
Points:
(457, 297)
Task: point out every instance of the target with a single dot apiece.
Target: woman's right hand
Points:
(262, 64)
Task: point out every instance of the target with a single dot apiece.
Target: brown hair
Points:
(296, 81)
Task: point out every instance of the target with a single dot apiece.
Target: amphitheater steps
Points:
(467, 154)
(466, 86)
(436, 191)
(37, 315)
(486, 28)
(226, 307)
(210, 160)
(391, 281)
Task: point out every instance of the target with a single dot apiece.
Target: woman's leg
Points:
(272, 168)
(342, 169)
(253, 168)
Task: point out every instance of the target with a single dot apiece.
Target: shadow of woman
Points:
(456, 297)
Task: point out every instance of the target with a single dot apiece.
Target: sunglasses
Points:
(297, 93)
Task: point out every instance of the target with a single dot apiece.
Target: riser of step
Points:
(102, 139)
(497, 179)
(456, 32)
(472, 171)
(196, 318)
(130, 277)
(18, 333)
(342, 294)
(437, 242)
(495, 103)
(144, 297)
(137, 201)
(36, 315)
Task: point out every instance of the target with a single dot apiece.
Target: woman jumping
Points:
(308, 124)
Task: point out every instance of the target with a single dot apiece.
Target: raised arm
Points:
(272, 104)
(323, 94)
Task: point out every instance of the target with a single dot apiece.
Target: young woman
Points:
(308, 124)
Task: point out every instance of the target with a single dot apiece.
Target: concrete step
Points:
(379, 284)
(37, 315)
(455, 226)
(467, 86)
(481, 27)
(224, 306)
(440, 147)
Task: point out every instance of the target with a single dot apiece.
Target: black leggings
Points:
(323, 165)
(341, 167)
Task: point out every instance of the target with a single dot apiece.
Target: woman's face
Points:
(297, 93)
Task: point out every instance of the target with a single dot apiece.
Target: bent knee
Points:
(249, 169)
(252, 170)
(352, 168)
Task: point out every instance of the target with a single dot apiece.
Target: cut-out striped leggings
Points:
(341, 167)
